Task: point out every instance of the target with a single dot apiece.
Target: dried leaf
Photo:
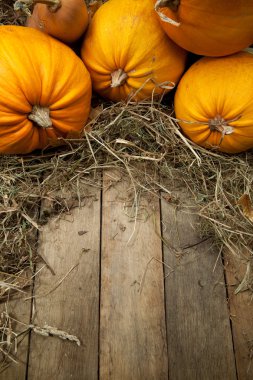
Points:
(8, 286)
(95, 112)
(9, 334)
(53, 331)
(249, 50)
(246, 205)
(246, 281)
(31, 221)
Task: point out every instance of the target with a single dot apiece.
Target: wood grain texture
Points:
(198, 328)
(132, 322)
(19, 309)
(241, 314)
(71, 246)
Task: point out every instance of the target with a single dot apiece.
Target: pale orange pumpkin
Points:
(128, 54)
(65, 20)
(208, 27)
(45, 91)
(214, 103)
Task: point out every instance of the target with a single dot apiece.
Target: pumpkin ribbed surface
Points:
(214, 101)
(208, 27)
(39, 76)
(67, 23)
(126, 50)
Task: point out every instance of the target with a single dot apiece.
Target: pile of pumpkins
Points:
(131, 49)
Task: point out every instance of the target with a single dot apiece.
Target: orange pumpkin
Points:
(65, 20)
(214, 102)
(208, 27)
(45, 90)
(127, 52)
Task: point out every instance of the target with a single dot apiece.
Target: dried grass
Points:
(131, 137)
(7, 14)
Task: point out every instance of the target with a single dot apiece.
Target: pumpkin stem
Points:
(26, 5)
(221, 125)
(40, 115)
(119, 77)
(173, 5)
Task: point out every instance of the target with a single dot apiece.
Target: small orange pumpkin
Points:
(214, 103)
(65, 20)
(208, 27)
(127, 52)
(45, 91)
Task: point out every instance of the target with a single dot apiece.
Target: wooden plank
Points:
(19, 309)
(241, 314)
(15, 308)
(69, 299)
(199, 334)
(132, 320)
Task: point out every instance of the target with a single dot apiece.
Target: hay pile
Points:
(7, 14)
(130, 137)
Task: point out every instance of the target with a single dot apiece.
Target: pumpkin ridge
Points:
(208, 27)
(65, 20)
(133, 42)
(20, 84)
(35, 80)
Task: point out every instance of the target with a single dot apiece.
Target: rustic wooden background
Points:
(147, 296)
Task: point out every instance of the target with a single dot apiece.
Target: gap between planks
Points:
(241, 313)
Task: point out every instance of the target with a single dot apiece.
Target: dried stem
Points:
(172, 4)
(40, 115)
(25, 6)
(119, 77)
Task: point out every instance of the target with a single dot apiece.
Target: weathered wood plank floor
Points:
(147, 298)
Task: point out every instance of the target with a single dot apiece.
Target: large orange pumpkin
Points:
(65, 20)
(127, 52)
(214, 102)
(45, 90)
(208, 27)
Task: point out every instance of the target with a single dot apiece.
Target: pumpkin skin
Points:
(216, 96)
(67, 23)
(125, 49)
(208, 27)
(33, 76)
